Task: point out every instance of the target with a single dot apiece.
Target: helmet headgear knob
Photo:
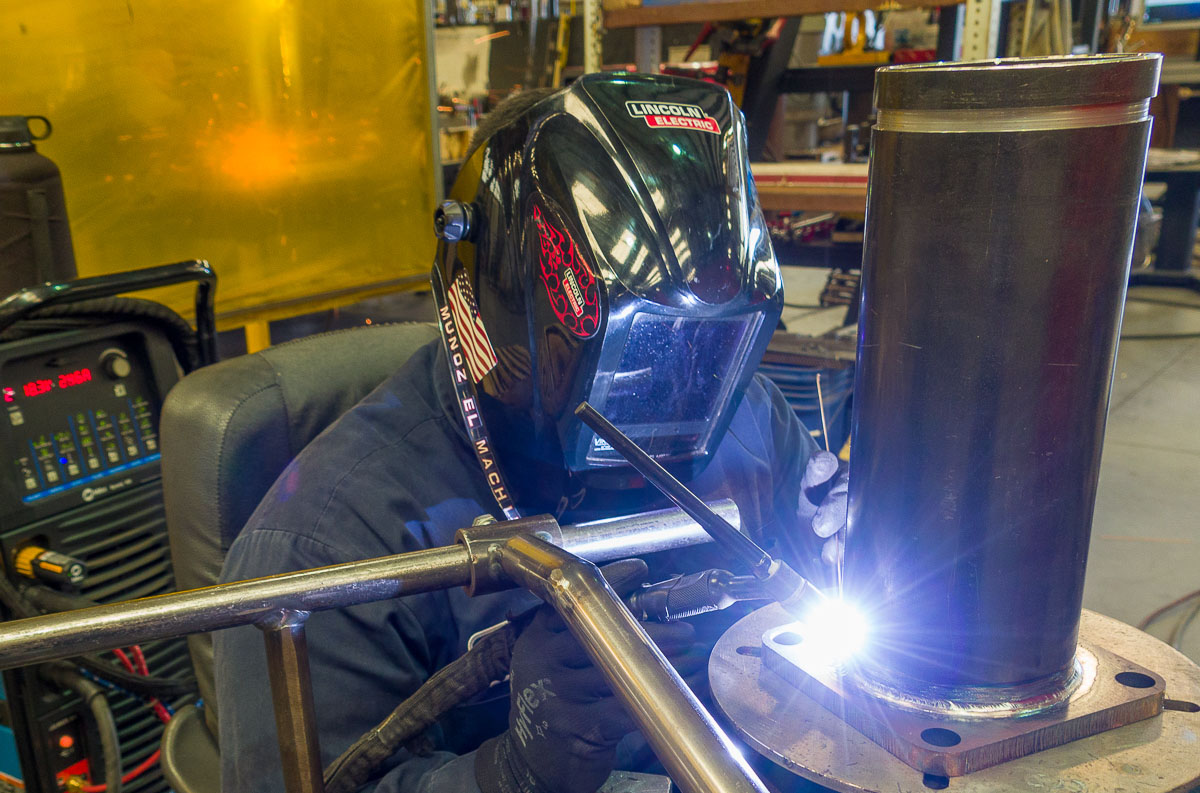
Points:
(452, 221)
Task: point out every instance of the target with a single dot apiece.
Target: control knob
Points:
(115, 364)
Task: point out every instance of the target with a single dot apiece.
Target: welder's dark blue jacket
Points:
(397, 474)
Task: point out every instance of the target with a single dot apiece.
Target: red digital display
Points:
(45, 385)
(78, 377)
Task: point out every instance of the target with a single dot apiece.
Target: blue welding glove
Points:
(564, 723)
(823, 502)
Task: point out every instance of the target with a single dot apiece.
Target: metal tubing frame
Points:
(292, 701)
(697, 754)
(280, 606)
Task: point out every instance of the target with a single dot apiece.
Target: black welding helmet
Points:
(605, 243)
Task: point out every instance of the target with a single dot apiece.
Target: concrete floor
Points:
(1146, 531)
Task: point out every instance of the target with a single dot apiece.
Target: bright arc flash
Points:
(833, 632)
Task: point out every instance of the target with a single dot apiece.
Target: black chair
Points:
(228, 431)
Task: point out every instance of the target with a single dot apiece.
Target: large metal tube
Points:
(697, 754)
(1002, 203)
(55, 636)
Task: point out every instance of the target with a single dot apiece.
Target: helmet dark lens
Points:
(674, 375)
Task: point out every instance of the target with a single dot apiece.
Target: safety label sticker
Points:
(670, 115)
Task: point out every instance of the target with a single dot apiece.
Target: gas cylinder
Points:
(35, 239)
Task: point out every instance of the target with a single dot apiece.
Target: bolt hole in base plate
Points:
(936, 782)
(785, 722)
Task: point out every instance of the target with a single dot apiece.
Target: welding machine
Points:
(83, 377)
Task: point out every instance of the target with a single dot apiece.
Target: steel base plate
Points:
(938, 743)
(1154, 755)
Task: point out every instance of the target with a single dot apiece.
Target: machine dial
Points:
(115, 363)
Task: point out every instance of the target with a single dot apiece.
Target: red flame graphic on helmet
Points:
(570, 284)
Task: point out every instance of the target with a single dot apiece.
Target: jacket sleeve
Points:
(364, 661)
(792, 445)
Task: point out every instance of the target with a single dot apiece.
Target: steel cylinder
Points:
(1000, 218)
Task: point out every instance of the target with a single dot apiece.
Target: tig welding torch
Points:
(778, 580)
(689, 595)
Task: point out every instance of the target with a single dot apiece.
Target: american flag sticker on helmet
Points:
(477, 348)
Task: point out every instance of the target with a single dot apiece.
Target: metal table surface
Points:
(1159, 755)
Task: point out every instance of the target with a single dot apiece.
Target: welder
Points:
(604, 243)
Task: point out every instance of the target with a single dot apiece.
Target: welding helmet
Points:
(605, 243)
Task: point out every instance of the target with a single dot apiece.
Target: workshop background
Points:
(300, 148)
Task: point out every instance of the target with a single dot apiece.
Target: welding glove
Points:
(564, 721)
(823, 502)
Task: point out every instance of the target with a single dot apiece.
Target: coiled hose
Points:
(63, 675)
(483, 664)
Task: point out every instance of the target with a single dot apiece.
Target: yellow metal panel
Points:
(258, 336)
(286, 141)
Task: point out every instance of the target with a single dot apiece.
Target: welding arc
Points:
(722, 532)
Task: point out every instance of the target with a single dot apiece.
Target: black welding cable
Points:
(485, 663)
(1155, 615)
(158, 687)
(1181, 627)
(63, 675)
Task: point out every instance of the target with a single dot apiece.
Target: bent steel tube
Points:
(697, 754)
(62, 635)
(280, 605)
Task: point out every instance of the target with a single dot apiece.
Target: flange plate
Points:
(1158, 755)
(1111, 692)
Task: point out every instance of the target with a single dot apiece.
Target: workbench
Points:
(1181, 212)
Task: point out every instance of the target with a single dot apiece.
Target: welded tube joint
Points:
(599, 540)
(697, 754)
(292, 701)
(55, 636)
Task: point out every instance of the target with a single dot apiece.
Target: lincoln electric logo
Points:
(669, 115)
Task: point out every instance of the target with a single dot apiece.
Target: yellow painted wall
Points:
(286, 141)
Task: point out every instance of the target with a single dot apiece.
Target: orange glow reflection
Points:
(257, 157)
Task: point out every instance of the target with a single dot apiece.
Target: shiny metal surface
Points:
(993, 702)
(994, 273)
(281, 604)
(483, 541)
(695, 751)
(602, 540)
(223, 606)
(226, 605)
(732, 541)
(779, 581)
(292, 697)
(967, 737)
(1020, 85)
(662, 530)
(288, 143)
(1158, 755)
(452, 221)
